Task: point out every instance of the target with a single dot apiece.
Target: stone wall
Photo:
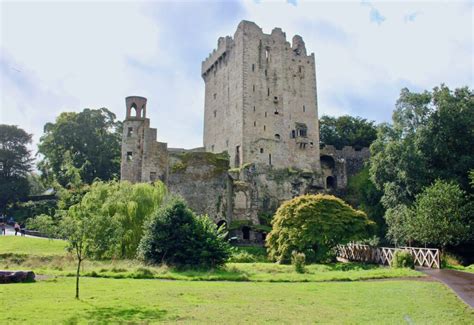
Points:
(201, 179)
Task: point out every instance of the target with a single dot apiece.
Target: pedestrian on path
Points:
(3, 227)
(17, 228)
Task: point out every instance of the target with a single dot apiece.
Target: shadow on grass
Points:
(108, 315)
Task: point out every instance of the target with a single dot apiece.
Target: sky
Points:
(70, 55)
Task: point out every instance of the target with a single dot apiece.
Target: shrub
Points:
(242, 257)
(314, 225)
(299, 261)
(450, 260)
(176, 237)
(402, 259)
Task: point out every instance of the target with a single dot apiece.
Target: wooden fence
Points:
(426, 257)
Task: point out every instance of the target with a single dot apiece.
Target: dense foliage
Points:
(314, 225)
(15, 163)
(346, 131)
(431, 138)
(402, 259)
(440, 216)
(88, 140)
(175, 236)
(362, 194)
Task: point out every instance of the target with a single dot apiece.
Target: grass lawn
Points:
(258, 272)
(151, 301)
(31, 246)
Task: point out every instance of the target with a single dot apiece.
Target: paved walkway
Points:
(460, 282)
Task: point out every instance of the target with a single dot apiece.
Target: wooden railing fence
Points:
(426, 257)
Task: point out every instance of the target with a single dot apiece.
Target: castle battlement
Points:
(223, 46)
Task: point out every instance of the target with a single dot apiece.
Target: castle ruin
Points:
(261, 136)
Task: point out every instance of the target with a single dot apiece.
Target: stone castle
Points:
(261, 136)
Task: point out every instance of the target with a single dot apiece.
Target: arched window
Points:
(134, 110)
(277, 136)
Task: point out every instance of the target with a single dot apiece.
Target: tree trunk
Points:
(77, 277)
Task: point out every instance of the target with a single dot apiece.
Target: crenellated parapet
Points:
(224, 44)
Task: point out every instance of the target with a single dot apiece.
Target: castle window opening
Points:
(130, 132)
(276, 112)
(265, 114)
(265, 72)
(300, 69)
(330, 182)
(254, 123)
(253, 67)
(222, 223)
(129, 156)
(215, 113)
(237, 156)
(301, 130)
(270, 159)
(227, 143)
(277, 136)
(136, 113)
(293, 134)
(264, 128)
(267, 54)
(245, 233)
(253, 88)
(304, 108)
(261, 150)
(215, 96)
(254, 108)
(268, 91)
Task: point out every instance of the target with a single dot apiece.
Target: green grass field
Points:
(117, 292)
(31, 246)
(151, 301)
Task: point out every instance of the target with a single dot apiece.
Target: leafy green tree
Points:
(126, 206)
(15, 163)
(314, 225)
(175, 236)
(89, 141)
(440, 215)
(400, 225)
(45, 224)
(346, 131)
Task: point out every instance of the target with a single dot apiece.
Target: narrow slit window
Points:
(304, 108)
(253, 88)
(261, 150)
(264, 128)
(254, 123)
(130, 132)
(270, 159)
(129, 156)
(215, 113)
(265, 72)
(215, 95)
(268, 91)
(254, 108)
(265, 114)
(253, 67)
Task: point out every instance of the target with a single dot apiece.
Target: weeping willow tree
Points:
(119, 211)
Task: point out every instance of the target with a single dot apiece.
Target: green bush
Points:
(403, 259)
(177, 237)
(314, 225)
(299, 261)
(242, 257)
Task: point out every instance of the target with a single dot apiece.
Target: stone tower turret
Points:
(143, 158)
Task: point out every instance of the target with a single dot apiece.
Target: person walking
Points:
(3, 227)
(17, 228)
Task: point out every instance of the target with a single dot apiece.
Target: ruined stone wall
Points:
(259, 88)
(201, 179)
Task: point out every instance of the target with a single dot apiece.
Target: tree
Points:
(175, 236)
(314, 225)
(80, 228)
(89, 140)
(346, 131)
(431, 137)
(440, 216)
(15, 163)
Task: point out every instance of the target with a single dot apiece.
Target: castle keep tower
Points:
(143, 158)
(260, 100)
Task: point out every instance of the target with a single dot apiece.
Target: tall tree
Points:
(15, 163)
(346, 131)
(90, 140)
